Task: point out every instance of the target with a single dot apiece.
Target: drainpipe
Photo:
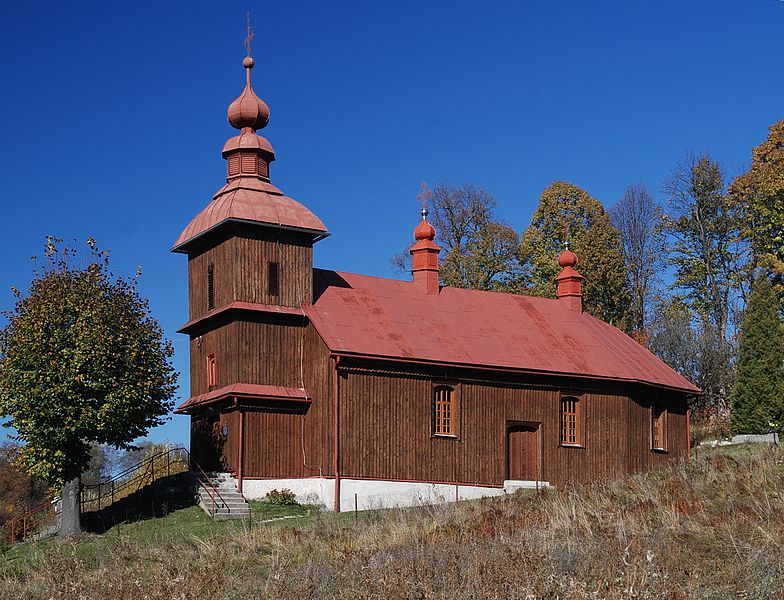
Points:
(335, 439)
(688, 435)
(240, 450)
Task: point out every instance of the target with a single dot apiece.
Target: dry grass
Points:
(711, 529)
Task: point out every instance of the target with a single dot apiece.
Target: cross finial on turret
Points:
(567, 244)
(422, 197)
(248, 37)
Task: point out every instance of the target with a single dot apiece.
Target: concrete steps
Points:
(229, 503)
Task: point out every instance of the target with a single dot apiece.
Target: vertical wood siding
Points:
(240, 266)
(386, 431)
(280, 351)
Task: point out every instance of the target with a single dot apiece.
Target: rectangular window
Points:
(210, 287)
(443, 410)
(212, 370)
(570, 421)
(658, 428)
(273, 279)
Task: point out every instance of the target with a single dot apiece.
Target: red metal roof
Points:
(247, 391)
(250, 199)
(373, 316)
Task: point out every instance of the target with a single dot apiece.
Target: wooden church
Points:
(347, 388)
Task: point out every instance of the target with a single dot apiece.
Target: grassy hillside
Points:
(711, 529)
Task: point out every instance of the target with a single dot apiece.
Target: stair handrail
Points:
(212, 492)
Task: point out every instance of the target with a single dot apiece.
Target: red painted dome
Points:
(424, 231)
(567, 258)
(248, 110)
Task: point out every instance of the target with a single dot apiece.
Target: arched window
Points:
(212, 370)
(571, 430)
(444, 410)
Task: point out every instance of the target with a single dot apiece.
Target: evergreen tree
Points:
(757, 396)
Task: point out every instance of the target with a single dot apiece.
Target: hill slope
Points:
(711, 529)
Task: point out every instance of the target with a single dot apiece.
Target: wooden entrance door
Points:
(523, 453)
(207, 442)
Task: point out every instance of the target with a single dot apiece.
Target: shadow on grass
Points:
(156, 500)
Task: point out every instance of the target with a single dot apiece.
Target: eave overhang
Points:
(522, 371)
(245, 391)
(238, 306)
(185, 246)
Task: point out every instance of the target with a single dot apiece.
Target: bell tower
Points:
(251, 244)
(250, 273)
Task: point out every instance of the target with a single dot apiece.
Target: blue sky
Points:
(114, 114)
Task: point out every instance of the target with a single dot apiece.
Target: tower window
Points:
(210, 287)
(212, 370)
(273, 279)
(444, 421)
(658, 428)
(570, 421)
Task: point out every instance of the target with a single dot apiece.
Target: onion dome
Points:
(424, 231)
(567, 257)
(248, 110)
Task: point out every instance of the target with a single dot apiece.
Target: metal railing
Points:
(97, 496)
(31, 523)
(94, 497)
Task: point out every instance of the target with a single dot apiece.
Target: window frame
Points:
(658, 427)
(578, 437)
(212, 370)
(454, 410)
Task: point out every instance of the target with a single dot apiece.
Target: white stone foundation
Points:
(372, 494)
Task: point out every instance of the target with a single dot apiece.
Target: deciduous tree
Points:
(637, 217)
(704, 230)
(478, 251)
(760, 192)
(563, 208)
(82, 361)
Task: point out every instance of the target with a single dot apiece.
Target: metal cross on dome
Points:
(249, 37)
(422, 197)
(567, 244)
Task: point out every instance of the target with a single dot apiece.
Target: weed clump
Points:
(284, 497)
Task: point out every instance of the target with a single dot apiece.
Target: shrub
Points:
(283, 497)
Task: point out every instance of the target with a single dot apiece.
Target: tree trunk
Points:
(70, 524)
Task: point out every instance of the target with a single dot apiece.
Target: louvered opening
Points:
(263, 167)
(234, 165)
(249, 163)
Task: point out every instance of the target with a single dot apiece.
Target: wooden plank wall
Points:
(274, 446)
(386, 431)
(273, 350)
(240, 269)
